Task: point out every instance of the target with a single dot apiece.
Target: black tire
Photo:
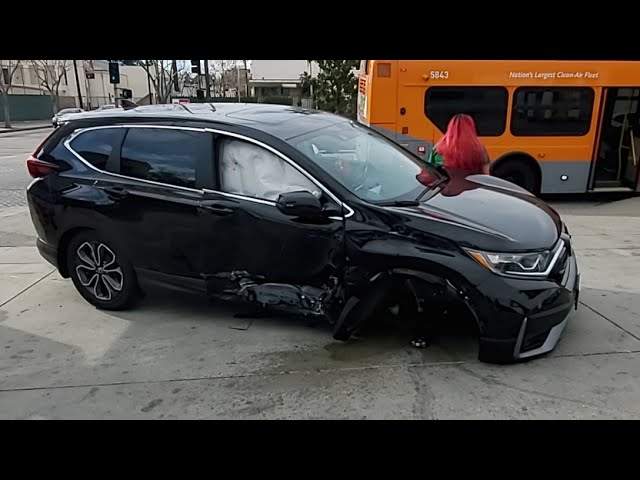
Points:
(100, 272)
(520, 173)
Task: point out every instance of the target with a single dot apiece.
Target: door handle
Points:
(116, 192)
(215, 208)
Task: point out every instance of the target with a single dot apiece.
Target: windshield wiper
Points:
(432, 186)
(400, 203)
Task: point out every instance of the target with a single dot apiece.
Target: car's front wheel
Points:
(100, 272)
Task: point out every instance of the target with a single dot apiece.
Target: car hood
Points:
(493, 214)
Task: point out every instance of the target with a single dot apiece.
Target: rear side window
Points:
(487, 106)
(95, 146)
(164, 155)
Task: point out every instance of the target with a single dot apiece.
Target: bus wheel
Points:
(518, 172)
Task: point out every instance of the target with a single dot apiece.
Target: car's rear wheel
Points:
(100, 272)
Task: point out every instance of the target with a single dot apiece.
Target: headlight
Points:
(518, 264)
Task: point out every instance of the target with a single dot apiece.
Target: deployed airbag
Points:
(248, 169)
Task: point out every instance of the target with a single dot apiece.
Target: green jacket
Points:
(436, 159)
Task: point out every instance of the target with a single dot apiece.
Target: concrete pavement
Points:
(179, 357)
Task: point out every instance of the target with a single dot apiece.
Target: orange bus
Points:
(549, 126)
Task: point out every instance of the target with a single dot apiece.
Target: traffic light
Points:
(126, 93)
(195, 67)
(114, 72)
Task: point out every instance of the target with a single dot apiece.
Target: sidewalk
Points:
(29, 125)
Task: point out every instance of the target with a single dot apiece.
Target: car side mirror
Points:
(332, 210)
(299, 204)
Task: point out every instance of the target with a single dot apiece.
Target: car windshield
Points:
(365, 162)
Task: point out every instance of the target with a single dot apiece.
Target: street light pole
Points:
(207, 80)
(75, 69)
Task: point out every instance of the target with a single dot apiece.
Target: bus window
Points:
(384, 70)
(487, 106)
(545, 112)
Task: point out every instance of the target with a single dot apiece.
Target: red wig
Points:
(460, 146)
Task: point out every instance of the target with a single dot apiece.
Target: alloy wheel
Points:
(98, 270)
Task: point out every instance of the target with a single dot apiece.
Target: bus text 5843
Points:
(439, 74)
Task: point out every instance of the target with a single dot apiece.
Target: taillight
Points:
(40, 168)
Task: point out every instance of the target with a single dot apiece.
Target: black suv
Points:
(296, 209)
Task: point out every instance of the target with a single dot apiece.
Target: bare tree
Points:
(5, 86)
(50, 73)
(220, 81)
(161, 74)
(216, 69)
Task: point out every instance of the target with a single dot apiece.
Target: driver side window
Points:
(253, 171)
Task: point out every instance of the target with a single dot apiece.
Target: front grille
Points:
(533, 342)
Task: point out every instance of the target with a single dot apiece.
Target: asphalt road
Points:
(15, 147)
(182, 357)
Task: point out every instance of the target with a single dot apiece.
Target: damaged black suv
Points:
(296, 209)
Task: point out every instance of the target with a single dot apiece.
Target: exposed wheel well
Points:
(441, 289)
(63, 245)
(523, 159)
(434, 292)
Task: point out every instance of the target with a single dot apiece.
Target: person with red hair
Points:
(462, 154)
(460, 148)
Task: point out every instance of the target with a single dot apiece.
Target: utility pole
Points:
(88, 84)
(174, 67)
(149, 83)
(207, 80)
(246, 79)
(313, 100)
(162, 81)
(75, 69)
(238, 82)
(222, 89)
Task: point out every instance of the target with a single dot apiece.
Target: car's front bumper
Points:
(531, 317)
(541, 333)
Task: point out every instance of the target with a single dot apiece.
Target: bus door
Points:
(618, 159)
(414, 131)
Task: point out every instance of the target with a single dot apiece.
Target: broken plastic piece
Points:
(420, 342)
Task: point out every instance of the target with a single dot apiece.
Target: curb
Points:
(24, 129)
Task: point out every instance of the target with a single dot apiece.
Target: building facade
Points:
(279, 78)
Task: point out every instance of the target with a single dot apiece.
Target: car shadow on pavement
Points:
(306, 342)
